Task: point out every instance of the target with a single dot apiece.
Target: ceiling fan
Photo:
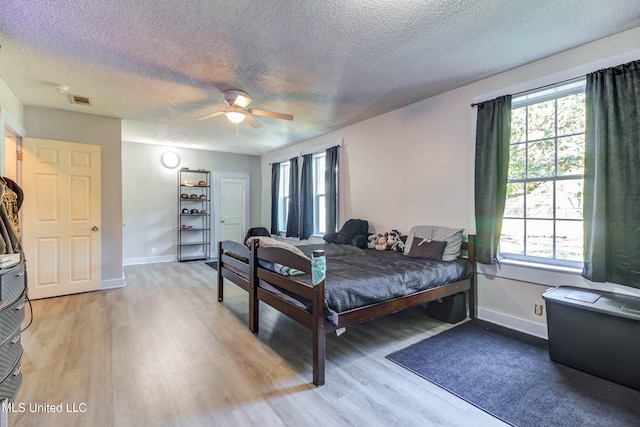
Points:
(236, 109)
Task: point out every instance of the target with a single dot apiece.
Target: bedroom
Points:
(438, 129)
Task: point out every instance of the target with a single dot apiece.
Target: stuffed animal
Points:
(372, 240)
(392, 238)
(359, 241)
(354, 232)
(381, 244)
(396, 242)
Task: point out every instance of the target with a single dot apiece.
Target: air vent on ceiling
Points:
(80, 100)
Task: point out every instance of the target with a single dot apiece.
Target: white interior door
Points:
(232, 192)
(232, 206)
(61, 214)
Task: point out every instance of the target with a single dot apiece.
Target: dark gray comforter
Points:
(360, 277)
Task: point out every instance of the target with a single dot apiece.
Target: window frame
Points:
(283, 196)
(284, 162)
(546, 94)
(318, 176)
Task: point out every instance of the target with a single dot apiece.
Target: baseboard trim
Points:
(512, 322)
(113, 283)
(149, 260)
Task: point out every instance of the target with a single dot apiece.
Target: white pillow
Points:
(453, 237)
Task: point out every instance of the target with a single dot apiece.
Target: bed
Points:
(360, 285)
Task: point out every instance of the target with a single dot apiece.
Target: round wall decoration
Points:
(170, 159)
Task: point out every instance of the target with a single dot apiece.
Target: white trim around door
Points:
(217, 176)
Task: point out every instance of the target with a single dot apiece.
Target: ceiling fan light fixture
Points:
(235, 116)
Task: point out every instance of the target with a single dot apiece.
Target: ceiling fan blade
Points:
(241, 101)
(272, 114)
(208, 116)
(252, 122)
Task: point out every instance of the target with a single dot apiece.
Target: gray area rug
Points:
(509, 375)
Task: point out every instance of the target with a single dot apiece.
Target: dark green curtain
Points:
(275, 189)
(612, 176)
(293, 224)
(306, 197)
(331, 187)
(493, 131)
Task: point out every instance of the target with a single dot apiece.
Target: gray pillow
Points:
(453, 237)
(424, 249)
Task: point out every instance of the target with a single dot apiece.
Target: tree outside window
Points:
(543, 213)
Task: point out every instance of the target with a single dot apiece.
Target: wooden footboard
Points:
(314, 318)
(234, 264)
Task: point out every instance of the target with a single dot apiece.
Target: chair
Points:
(256, 231)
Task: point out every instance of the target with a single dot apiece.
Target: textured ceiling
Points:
(160, 64)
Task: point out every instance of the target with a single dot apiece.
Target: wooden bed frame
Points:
(228, 268)
(315, 320)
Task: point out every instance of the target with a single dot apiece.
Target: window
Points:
(319, 194)
(543, 213)
(283, 202)
(315, 202)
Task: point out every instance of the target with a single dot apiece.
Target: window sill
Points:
(542, 266)
(315, 238)
(536, 273)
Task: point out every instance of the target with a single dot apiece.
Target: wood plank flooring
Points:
(163, 352)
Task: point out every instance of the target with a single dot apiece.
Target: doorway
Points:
(231, 207)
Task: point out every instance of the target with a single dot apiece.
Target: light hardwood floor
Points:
(163, 352)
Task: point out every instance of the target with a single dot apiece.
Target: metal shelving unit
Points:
(194, 214)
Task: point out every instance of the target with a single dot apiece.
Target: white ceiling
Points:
(160, 64)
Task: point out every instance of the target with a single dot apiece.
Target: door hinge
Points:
(19, 156)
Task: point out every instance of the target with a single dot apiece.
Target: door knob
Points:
(95, 228)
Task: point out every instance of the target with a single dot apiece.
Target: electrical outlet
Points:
(538, 309)
(153, 251)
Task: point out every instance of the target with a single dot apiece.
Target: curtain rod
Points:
(302, 153)
(473, 104)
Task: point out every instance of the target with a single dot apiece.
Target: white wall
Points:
(70, 126)
(397, 168)
(11, 124)
(150, 196)
(415, 166)
(10, 104)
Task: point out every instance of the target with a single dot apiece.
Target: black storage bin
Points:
(451, 309)
(594, 331)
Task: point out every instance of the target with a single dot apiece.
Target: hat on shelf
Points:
(194, 211)
(188, 183)
(203, 197)
(184, 196)
(193, 196)
(185, 211)
(201, 183)
(203, 212)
